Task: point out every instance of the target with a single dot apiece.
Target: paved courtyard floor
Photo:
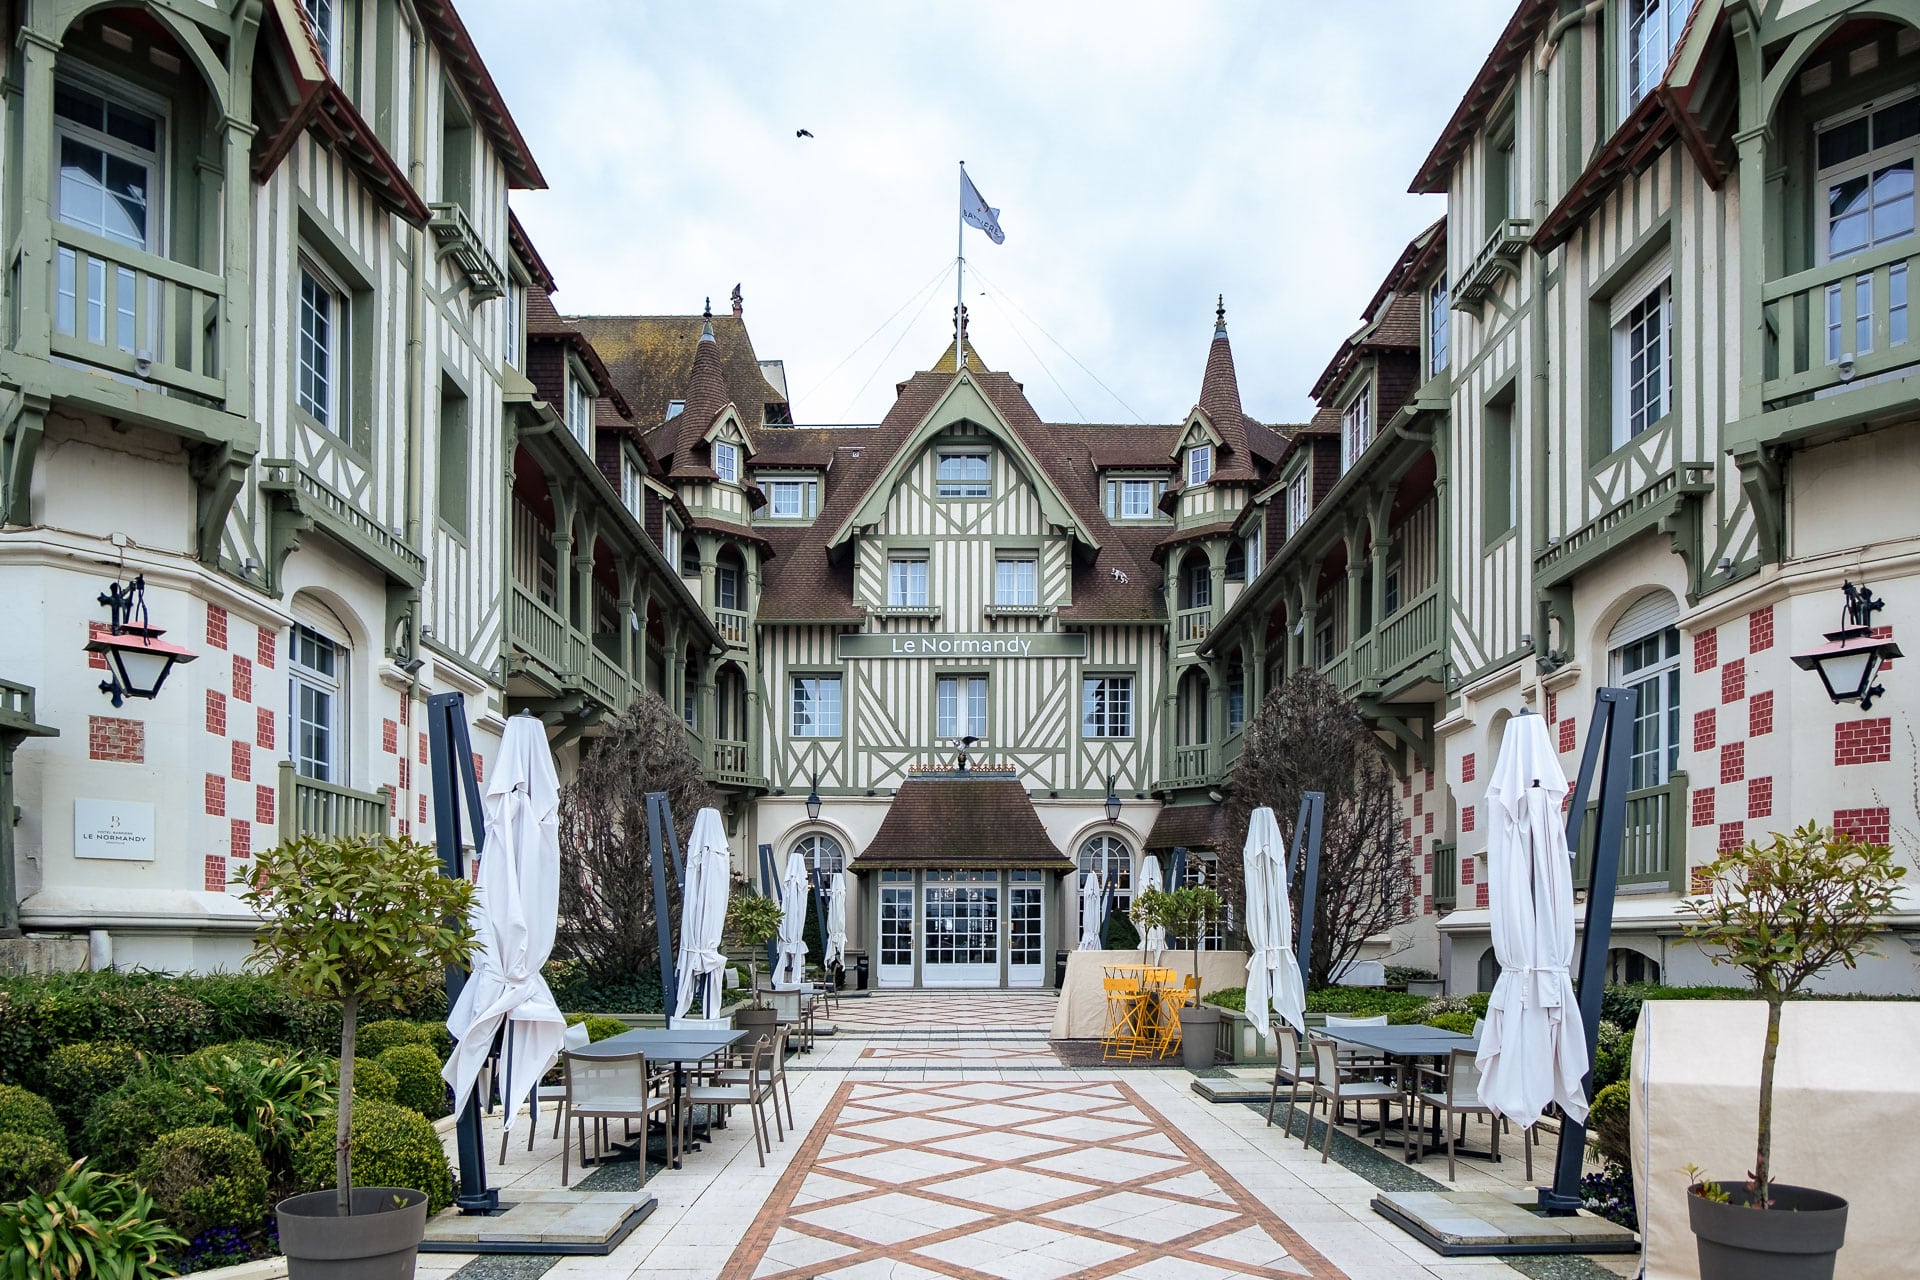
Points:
(938, 1137)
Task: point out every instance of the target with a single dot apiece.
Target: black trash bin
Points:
(860, 971)
(1059, 971)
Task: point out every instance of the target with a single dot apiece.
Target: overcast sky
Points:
(1144, 158)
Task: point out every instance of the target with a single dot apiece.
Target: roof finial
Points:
(1220, 316)
(706, 323)
(960, 324)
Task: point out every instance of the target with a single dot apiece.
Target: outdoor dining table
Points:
(1406, 1047)
(680, 1047)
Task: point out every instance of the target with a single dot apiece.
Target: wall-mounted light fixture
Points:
(1113, 799)
(1851, 658)
(138, 660)
(813, 797)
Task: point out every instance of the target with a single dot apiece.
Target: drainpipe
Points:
(417, 299)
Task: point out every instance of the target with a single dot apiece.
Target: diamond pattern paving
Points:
(1003, 1180)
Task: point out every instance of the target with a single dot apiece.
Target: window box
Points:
(1500, 255)
(460, 241)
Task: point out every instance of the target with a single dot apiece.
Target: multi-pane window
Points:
(1437, 311)
(1642, 364)
(1109, 858)
(960, 707)
(325, 15)
(1867, 183)
(670, 541)
(1016, 581)
(1197, 584)
(822, 853)
(1237, 562)
(1650, 666)
(961, 474)
(580, 409)
(1253, 550)
(1237, 693)
(1133, 499)
(1199, 464)
(1203, 869)
(1356, 426)
(726, 585)
(1653, 30)
(1106, 707)
(633, 494)
(317, 382)
(317, 688)
(816, 707)
(907, 582)
(1299, 501)
(726, 461)
(516, 304)
(792, 499)
(109, 162)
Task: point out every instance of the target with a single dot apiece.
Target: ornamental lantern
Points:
(1852, 656)
(138, 660)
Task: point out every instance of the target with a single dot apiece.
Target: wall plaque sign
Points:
(964, 644)
(118, 829)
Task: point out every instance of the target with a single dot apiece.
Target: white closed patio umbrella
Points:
(703, 917)
(836, 921)
(792, 961)
(1273, 971)
(1155, 940)
(1533, 1050)
(516, 911)
(1092, 893)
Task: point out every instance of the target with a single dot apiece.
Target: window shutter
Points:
(1652, 613)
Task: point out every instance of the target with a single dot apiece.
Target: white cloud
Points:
(1145, 157)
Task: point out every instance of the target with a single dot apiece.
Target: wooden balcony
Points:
(603, 677)
(1408, 637)
(1352, 667)
(538, 630)
(1653, 846)
(136, 313)
(730, 762)
(1192, 625)
(1191, 767)
(732, 626)
(309, 807)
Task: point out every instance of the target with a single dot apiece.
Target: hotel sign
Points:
(964, 644)
(118, 830)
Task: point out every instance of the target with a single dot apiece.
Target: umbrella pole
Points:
(1612, 721)
(659, 816)
(450, 761)
(769, 883)
(1306, 831)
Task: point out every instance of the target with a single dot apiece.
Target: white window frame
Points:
(907, 580)
(1013, 587)
(1134, 498)
(1663, 21)
(1438, 326)
(1117, 863)
(814, 706)
(333, 687)
(1356, 426)
(1642, 313)
(1106, 706)
(328, 18)
(946, 695)
(799, 494)
(822, 853)
(1657, 680)
(516, 304)
(1199, 464)
(726, 461)
(726, 586)
(1254, 547)
(116, 94)
(1197, 585)
(963, 487)
(1299, 500)
(633, 489)
(670, 535)
(331, 412)
(579, 407)
(1848, 319)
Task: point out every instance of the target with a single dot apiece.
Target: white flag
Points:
(975, 212)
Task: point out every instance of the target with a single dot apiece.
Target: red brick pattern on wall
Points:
(242, 770)
(1872, 825)
(390, 736)
(266, 807)
(1426, 779)
(1706, 650)
(263, 728)
(406, 773)
(1760, 797)
(1567, 730)
(215, 790)
(1429, 823)
(240, 841)
(1466, 870)
(214, 880)
(1467, 767)
(1733, 762)
(266, 647)
(423, 807)
(1862, 741)
(1760, 630)
(216, 713)
(1706, 725)
(1553, 708)
(479, 768)
(1699, 881)
(1760, 713)
(242, 679)
(1732, 836)
(1703, 814)
(98, 661)
(216, 626)
(422, 748)
(1466, 818)
(1480, 896)
(1733, 680)
(1419, 804)
(115, 738)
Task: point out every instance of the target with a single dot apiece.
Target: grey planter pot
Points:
(379, 1242)
(1199, 1027)
(760, 1023)
(1795, 1240)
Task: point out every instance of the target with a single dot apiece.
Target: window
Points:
(1500, 183)
(1652, 32)
(907, 582)
(1356, 426)
(1199, 464)
(1016, 581)
(580, 408)
(455, 478)
(960, 707)
(1237, 562)
(689, 558)
(1299, 501)
(726, 461)
(516, 303)
(317, 691)
(1644, 652)
(319, 386)
(1323, 645)
(1253, 548)
(109, 166)
(726, 585)
(1642, 363)
(633, 491)
(1867, 183)
(961, 474)
(456, 150)
(816, 707)
(1197, 579)
(670, 542)
(792, 499)
(1134, 499)
(1437, 309)
(1237, 692)
(1202, 868)
(1106, 707)
(1500, 467)
(1110, 859)
(822, 854)
(325, 15)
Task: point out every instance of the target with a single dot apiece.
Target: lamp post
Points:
(138, 660)
(1852, 656)
(813, 798)
(1113, 799)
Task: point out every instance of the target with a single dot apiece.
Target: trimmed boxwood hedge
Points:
(24, 1111)
(203, 1177)
(121, 1126)
(392, 1147)
(416, 1072)
(29, 1165)
(78, 1075)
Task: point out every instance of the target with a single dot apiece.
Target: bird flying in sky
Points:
(802, 133)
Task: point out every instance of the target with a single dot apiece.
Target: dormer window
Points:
(1199, 464)
(792, 499)
(726, 461)
(1299, 501)
(632, 491)
(674, 407)
(1652, 31)
(580, 408)
(1356, 426)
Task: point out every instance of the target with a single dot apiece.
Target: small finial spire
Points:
(1220, 315)
(706, 322)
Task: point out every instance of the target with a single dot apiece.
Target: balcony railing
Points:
(1351, 667)
(730, 761)
(1653, 851)
(1446, 876)
(1841, 322)
(731, 624)
(136, 313)
(604, 678)
(460, 240)
(1409, 635)
(1193, 624)
(537, 629)
(1190, 766)
(309, 807)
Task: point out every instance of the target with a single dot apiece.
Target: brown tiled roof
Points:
(814, 447)
(1220, 401)
(1194, 533)
(1190, 826)
(546, 324)
(463, 62)
(1508, 53)
(964, 824)
(1133, 446)
(744, 533)
(521, 243)
(1393, 316)
(651, 358)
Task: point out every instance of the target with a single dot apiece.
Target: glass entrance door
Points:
(896, 930)
(1026, 899)
(961, 911)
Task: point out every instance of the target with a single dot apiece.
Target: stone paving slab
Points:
(1487, 1223)
(544, 1219)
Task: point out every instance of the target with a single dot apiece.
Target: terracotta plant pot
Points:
(379, 1242)
(1795, 1240)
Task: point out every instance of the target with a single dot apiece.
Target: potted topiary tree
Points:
(1784, 912)
(753, 920)
(1186, 912)
(355, 920)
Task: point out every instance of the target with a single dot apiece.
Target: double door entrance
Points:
(962, 928)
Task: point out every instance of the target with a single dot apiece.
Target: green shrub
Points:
(1399, 975)
(123, 1124)
(1234, 998)
(78, 1074)
(29, 1163)
(1121, 935)
(1609, 1124)
(271, 1099)
(244, 1050)
(1612, 1055)
(205, 1177)
(600, 1027)
(371, 1081)
(91, 1224)
(1461, 1022)
(375, 1038)
(392, 1147)
(23, 1111)
(416, 1074)
(1363, 1002)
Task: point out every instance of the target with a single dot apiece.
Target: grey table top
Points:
(1404, 1041)
(661, 1044)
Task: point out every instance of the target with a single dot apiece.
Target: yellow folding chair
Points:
(1126, 1011)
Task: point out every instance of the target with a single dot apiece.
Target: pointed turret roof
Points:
(1241, 438)
(706, 398)
(1220, 388)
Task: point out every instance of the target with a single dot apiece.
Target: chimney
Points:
(739, 303)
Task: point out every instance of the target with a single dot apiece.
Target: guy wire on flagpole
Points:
(960, 280)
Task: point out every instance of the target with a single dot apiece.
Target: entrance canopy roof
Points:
(962, 824)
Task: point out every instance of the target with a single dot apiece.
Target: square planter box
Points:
(1240, 1044)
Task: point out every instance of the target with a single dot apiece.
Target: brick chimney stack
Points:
(739, 303)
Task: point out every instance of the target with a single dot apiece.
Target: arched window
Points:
(1643, 651)
(319, 662)
(822, 852)
(1627, 965)
(1110, 856)
(1489, 969)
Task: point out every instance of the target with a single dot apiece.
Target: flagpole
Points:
(960, 279)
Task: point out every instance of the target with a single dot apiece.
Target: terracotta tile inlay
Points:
(1010, 1180)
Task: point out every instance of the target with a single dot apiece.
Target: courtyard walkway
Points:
(940, 1138)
